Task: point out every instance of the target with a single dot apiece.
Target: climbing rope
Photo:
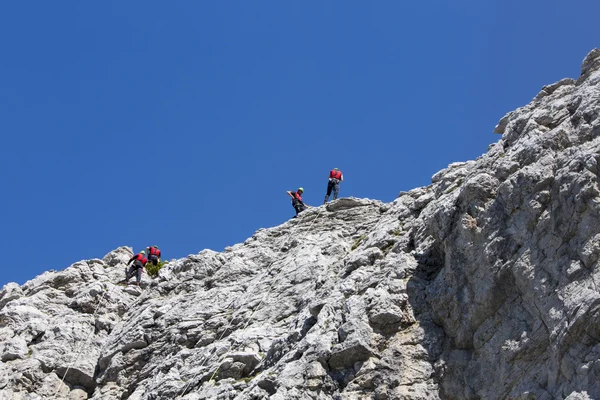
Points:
(183, 392)
(86, 342)
(270, 287)
(348, 253)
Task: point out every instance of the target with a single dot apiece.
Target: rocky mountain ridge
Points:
(480, 285)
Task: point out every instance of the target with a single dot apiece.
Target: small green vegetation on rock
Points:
(386, 249)
(152, 269)
(358, 242)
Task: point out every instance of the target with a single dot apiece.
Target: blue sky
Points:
(183, 123)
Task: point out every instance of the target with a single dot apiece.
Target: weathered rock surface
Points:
(482, 285)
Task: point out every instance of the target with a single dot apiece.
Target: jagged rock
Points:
(238, 365)
(482, 285)
(590, 64)
(348, 353)
(118, 256)
(13, 348)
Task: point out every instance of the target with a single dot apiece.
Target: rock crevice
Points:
(490, 271)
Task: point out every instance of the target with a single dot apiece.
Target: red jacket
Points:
(153, 251)
(139, 257)
(335, 174)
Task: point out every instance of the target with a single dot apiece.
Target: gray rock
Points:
(490, 271)
(13, 348)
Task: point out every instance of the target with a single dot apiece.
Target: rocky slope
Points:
(482, 285)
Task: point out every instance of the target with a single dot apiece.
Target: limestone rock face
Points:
(482, 285)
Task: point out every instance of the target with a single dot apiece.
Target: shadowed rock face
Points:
(482, 285)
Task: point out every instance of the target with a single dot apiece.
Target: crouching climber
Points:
(297, 202)
(139, 262)
(153, 255)
(335, 177)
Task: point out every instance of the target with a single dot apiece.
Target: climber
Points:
(335, 177)
(153, 254)
(139, 262)
(297, 202)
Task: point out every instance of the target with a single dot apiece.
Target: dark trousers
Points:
(333, 184)
(298, 206)
(153, 258)
(135, 269)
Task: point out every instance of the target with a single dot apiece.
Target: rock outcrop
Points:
(482, 285)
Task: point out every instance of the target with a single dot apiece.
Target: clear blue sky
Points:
(183, 123)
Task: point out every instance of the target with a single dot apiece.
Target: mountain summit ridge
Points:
(482, 284)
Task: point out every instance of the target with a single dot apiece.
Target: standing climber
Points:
(139, 262)
(153, 254)
(297, 202)
(335, 177)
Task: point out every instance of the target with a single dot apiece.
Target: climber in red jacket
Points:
(139, 262)
(335, 177)
(297, 201)
(153, 254)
